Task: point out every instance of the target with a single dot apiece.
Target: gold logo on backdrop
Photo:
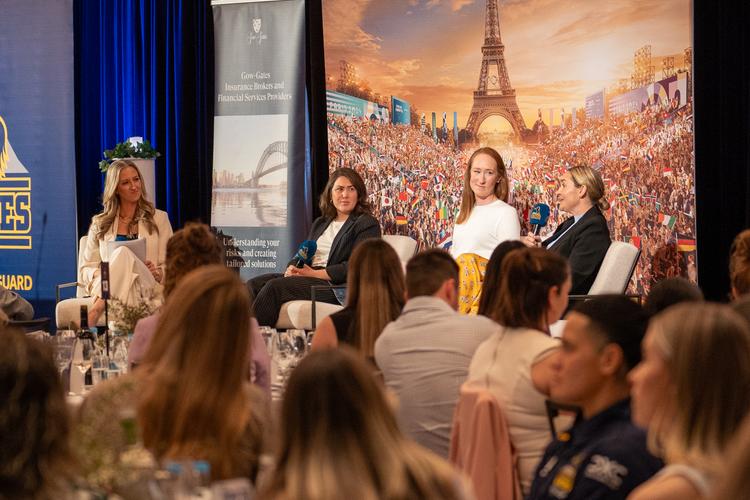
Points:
(15, 199)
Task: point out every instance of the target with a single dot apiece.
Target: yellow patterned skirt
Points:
(471, 275)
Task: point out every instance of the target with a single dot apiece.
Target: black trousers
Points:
(273, 289)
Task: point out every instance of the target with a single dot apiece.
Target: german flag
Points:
(401, 220)
(686, 244)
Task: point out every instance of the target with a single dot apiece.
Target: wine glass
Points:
(63, 351)
(86, 360)
(289, 347)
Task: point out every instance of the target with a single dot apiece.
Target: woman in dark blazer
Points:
(583, 238)
(346, 221)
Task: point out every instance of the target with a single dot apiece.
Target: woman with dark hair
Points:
(340, 440)
(346, 221)
(127, 215)
(484, 221)
(374, 298)
(492, 275)
(190, 397)
(515, 363)
(35, 457)
(583, 238)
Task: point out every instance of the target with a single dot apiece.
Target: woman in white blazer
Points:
(127, 215)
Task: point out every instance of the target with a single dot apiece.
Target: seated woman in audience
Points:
(35, 456)
(190, 248)
(127, 215)
(691, 392)
(340, 440)
(346, 222)
(484, 221)
(374, 298)
(190, 397)
(491, 284)
(583, 238)
(739, 264)
(515, 364)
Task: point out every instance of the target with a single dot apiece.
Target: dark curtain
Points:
(145, 68)
(722, 136)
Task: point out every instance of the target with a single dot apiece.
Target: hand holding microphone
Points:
(305, 253)
(538, 219)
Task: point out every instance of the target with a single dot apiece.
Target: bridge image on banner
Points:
(250, 176)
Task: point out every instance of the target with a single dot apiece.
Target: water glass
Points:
(63, 351)
(100, 368)
(289, 347)
(268, 333)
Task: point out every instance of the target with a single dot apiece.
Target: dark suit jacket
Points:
(584, 245)
(357, 228)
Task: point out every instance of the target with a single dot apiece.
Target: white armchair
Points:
(69, 310)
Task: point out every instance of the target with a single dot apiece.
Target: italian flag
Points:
(667, 220)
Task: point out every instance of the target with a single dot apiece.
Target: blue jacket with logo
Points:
(604, 457)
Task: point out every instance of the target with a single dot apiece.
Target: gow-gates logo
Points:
(15, 197)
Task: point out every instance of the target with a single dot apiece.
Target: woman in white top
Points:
(691, 392)
(484, 221)
(515, 364)
(127, 215)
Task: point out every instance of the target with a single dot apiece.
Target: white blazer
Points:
(96, 250)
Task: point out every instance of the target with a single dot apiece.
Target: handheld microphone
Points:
(105, 280)
(538, 217)
(305, 253)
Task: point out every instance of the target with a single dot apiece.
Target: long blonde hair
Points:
(468, 200)
(375, 289)
(111, 202)
(192, 403)
(706, 348)
(340, 440)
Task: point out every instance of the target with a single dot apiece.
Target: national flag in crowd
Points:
(424, 185)
(667, 220)
(650, 156)
(403, 196)
(409, 190)
(439, 178)
(635, 241)
(414, 203)
(666, 172)
(386, 201)
(401, 220)
(438, 188)
(658, 206)
(633, 198)
(445, 241)
(548, 178)
(685, 243)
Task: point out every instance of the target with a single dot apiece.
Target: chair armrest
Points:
(581, 298)
(312, 297)
(61, 286)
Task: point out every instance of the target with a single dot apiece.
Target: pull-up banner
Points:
(259, 175)
(37, 149)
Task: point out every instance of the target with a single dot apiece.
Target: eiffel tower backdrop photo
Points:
(413, 87)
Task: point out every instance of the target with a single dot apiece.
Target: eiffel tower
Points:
(494, 95)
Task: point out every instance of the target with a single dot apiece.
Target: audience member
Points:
(691, 392)
(734, 481)
(671, 291)
(515, 363)
(374, 297)
(739, 264)
(190, 395)
(346, 222)
(424, 354)
(14, 306)
(190, 248)
(340, 440)
(127, 215)
(35, 456)
(484, 221)
(583, 238)
(492, 275)
(603, 455)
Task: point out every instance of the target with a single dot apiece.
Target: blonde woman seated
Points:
(484, 221)
(340, 440)
(127, 215)
(374, 297)
(190, 396)
(691, 392)
(516, 363)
